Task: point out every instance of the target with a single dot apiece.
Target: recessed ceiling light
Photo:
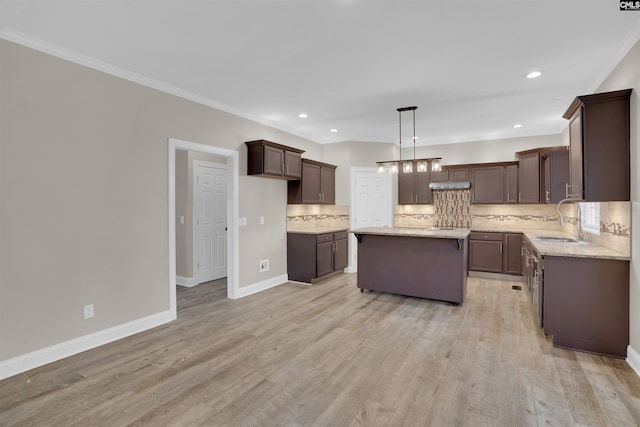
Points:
(333, 130)
(517, 126)
(302, 115)
(534, 75)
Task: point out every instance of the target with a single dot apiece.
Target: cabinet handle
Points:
(519, 197)
(522, 251)
(566, 190)
(508, 198)
(500, 247)
(548, 197)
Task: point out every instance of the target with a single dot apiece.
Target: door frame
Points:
(353, 243)
(194, 213)
(233, 252)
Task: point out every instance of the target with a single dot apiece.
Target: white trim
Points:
(87, 61)
(633, 359)
(262, 286)
(187, 282)
(233, 203)
(25, 362)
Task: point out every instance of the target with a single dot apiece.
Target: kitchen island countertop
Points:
(434, 232)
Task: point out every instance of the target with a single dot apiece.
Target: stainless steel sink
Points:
(556, 239)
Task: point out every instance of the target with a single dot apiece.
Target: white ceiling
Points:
(349, 64)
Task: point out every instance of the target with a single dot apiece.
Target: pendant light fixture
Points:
(421, 165)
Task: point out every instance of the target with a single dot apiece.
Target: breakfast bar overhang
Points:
(426, 263)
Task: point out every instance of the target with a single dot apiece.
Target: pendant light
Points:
(421, 165)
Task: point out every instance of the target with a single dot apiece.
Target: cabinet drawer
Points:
(340, 235)
(322, 238)
(476, 235)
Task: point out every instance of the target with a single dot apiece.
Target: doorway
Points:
(370, 205)
(209, 221)
(232, 209)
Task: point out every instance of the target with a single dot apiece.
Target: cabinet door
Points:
(292, 164)
(529, 178)
(511, 183)
(512, 252)
(324, 258)
(575, 156)
(488, 185)
(558, 176)
(458, 174)
(328, 185)
(405, 188)
(485, 256)
(547, 180)
(310, 183)
(421, 190)
(440, 176)
(273, 160)
(341, 254)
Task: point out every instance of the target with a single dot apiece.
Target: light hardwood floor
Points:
(328, 355)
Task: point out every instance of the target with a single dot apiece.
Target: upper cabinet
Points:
(272, 160)
(555, 176)
(413, 187)
(599, 159)
(495, 183)
(317, 184)
(537, 185)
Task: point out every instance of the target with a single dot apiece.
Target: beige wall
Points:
(84, 219)
(627, 75)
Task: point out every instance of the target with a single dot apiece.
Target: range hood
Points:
(458, 185)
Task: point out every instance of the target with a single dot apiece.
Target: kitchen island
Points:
(419, 262)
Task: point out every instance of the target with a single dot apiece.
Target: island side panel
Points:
(423, 267)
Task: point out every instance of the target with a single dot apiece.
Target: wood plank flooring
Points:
(328, 355)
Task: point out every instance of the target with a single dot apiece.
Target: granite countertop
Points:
(455, 233)
(574, 250)
(319, 230)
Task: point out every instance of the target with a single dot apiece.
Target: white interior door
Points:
(371, 204)
(210, 200)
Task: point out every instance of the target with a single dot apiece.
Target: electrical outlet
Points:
(88, 311)
(264, 265)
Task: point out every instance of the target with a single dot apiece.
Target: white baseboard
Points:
(26, 362)
(351, 269)
(186, 281)
(633, 359)
(261, 286)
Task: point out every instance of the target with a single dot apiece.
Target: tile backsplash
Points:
(310, 217)
(615, 220)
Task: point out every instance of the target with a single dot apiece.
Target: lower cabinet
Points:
(310, 256)
(586, 304)
(495, 252)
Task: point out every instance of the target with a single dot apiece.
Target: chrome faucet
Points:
(561, 217)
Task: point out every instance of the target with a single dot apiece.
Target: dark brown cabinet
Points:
(556, 175)
(439, 176)
(512, 253)
(311, 256)
(586, 304)
(485, 252)
(511, 183)
(495, 252)
(457, 173)
(529, 177)
(599, 135)
(272, 160)
(317, 184)
(487, 184)
(413, 187)
(494, 183)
